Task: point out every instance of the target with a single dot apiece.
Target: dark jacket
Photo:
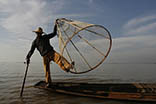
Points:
(42, 43)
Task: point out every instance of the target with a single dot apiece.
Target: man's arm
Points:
(51, 35)
(33, 46)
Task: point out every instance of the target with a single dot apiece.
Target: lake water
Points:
(11, 78)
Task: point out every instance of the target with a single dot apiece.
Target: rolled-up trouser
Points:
(58, 59)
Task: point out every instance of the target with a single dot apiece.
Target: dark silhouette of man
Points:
(42, 43)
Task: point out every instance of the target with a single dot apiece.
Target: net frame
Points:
(65, 43)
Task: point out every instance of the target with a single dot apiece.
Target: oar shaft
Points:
(24, 80)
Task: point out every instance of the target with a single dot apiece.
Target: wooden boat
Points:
(126, 91)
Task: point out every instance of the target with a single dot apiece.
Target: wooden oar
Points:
(24, 80)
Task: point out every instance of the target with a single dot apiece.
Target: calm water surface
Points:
(11, 77)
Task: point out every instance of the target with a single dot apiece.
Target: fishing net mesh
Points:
(87, 45)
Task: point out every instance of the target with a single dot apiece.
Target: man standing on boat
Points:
(42, 43)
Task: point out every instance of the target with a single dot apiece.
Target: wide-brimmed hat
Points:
(39, 30)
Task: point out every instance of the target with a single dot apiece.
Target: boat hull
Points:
(126, 91)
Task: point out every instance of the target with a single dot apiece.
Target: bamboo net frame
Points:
(78, 27)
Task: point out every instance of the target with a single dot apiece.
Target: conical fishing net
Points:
(87, 45)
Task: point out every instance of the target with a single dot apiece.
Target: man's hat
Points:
(39, 30)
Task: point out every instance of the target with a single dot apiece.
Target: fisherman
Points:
(42, 43)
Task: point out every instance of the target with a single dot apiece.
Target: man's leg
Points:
(46, 64)
(61, 61)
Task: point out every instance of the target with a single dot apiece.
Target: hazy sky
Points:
(132, 24)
